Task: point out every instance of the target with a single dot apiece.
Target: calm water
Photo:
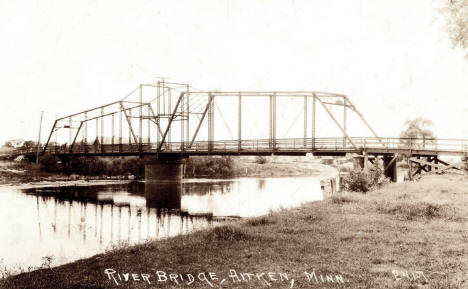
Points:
(70, 223)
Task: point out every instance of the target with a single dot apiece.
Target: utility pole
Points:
(39, 139)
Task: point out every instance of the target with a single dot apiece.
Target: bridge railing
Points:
(439, 145)
(355, 144)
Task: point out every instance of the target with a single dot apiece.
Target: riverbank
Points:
(404, 235)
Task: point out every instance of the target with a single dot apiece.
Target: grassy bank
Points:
(349, 240)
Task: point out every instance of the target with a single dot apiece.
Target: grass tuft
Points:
(261, 221)
(417, 210)
(228, 233)
(341, 200)
(312, 218)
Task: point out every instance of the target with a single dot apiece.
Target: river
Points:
(58, 225)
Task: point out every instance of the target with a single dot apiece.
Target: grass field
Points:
(405, 235)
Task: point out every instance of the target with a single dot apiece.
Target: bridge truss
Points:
(174, 117)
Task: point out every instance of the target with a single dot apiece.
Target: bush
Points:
(209, 167)
(50, 164)
(361, 181)
(228, 233)
(261, 160)
(261, 221)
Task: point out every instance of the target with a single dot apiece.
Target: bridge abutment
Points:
(164, 169)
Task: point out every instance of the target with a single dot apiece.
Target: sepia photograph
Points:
(234, 144)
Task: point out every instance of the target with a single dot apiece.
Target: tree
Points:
(418, 128)
(16, 143)
(457, 19)
(8, 144)
(28, 145)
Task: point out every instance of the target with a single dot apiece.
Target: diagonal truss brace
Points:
(155, 118)
(201, 120)
(170, 120)
(336, 122)
(128, 121)
(76, 135)
(351, 105)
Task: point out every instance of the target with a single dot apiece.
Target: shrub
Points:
(209, 166)
(228, 233)
(49, 163)
(361, 181)
(261, 160)
(261, 221)
(341, 200)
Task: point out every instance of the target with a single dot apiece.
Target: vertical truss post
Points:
(344, 120)
(86, 128)
(187, 127)
(113, 132)
(149, 125)
(56, 140)
(83, 144)
(120, 130)
(305, 121)
(273, 121)
(314, 101)
(140, 118)
(69, 131)
(164, 98)
(158, 110)
(96, 141)
(129, 121)
(239, 124)
(210, 121)
(182, 120)
(102, 129)
(169, 111)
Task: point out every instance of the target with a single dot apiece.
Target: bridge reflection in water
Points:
(70, 223)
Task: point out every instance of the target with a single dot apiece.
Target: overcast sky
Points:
(393, 59)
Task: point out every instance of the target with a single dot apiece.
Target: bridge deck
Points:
(300, 146)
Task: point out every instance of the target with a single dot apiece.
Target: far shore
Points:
(242, 167)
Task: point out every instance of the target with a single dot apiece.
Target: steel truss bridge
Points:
(174, 119)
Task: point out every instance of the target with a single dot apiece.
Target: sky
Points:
(393, 59)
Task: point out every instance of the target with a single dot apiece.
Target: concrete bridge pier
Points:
(164, 169)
